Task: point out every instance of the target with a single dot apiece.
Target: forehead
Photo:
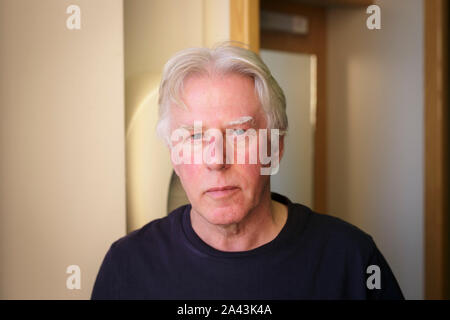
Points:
(217, 100)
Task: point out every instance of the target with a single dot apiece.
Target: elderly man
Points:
(223, 116)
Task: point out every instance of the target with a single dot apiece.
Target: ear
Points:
(175, 168)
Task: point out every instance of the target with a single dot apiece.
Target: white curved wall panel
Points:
(147, 158)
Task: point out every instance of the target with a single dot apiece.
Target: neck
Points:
(260, 226)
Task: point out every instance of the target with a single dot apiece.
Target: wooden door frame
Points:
(244, 22)
(436, 150)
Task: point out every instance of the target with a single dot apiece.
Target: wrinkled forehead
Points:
(222, 101)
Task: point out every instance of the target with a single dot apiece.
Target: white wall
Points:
(62, 185)
(375, 131)
(293, 73)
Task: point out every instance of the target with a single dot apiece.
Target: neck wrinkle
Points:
(248, 234)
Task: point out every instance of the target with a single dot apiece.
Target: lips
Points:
(221, 192)
(221, 188)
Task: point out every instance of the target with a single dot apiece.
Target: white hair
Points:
(224, 58)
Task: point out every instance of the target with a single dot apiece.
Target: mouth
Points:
(221, 192)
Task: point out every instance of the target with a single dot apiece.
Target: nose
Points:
(216, 158)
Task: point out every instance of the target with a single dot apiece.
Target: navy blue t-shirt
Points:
(315, 256)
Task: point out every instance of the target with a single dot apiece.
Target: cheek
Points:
(250, 177)
(246, 150)
(189, 174)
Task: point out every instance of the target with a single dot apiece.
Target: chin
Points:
(224, 215)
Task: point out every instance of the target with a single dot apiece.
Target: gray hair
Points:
(224, 58)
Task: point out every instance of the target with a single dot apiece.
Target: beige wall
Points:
(375, 131)
(156, 29)
(62, 194)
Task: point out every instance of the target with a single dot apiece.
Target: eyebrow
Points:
(241, 120)
(187, 127)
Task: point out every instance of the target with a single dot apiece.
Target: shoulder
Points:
(154, 233)
(344, 252)
(325, 230)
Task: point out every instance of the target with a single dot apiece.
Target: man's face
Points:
(221, 102)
